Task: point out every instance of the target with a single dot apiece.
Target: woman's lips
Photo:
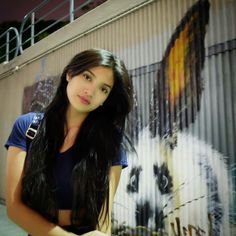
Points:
(84, 100)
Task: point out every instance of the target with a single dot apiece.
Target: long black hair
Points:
(98, 142)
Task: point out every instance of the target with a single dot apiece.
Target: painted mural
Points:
(38, 95)
(176, 184)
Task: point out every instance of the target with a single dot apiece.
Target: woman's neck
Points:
(74, 119)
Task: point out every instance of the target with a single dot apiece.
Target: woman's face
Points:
(89, 90)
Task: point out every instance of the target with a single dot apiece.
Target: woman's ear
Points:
(68, 77)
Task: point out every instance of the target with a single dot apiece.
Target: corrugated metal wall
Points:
(181, 56)
(182, 181)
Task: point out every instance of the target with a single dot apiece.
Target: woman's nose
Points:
(89, 91)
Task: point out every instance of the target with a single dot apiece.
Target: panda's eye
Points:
(132, 186)
(163, 178)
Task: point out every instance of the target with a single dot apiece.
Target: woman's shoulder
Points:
(27, 118)
(17, 136)
(121, 158)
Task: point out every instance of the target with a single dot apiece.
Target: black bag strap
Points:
(32, 129)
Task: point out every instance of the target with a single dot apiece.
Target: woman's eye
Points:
(104, 90)
(87, 77)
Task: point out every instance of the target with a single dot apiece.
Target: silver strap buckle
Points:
(31, 133)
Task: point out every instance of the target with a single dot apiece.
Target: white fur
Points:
(194, 166)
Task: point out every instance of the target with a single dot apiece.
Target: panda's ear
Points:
(178, 85)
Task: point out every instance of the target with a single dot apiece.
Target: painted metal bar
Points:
(32, 16)
(8, 40)
(7, 46)
(32, 28)
(72, 16)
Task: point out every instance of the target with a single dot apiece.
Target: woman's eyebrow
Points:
(109, 86)
(91, 73)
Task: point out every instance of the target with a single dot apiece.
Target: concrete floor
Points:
(8, 228)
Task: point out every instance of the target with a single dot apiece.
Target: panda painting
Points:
(176, 184)
(173, 192)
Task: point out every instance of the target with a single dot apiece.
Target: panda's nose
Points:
(144, 213)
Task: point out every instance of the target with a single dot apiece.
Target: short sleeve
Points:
(122, 159)
(17, 136)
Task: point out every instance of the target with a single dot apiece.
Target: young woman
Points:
(66, 181)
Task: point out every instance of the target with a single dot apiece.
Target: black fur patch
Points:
(163, 179)
(133, 184)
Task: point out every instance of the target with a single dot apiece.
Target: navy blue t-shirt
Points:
(64, 161)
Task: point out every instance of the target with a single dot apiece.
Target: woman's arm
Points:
(105, 221)
(17, 211)
(104, 227)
